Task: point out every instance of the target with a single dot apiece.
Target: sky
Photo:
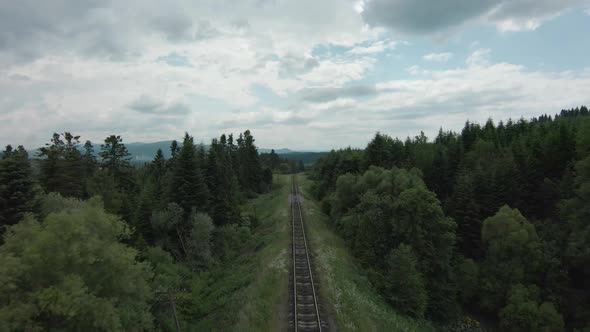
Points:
(300, 74)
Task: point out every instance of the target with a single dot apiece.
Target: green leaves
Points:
(524, 313)
(513, 254)
(71, 272)
(404, 285)
(16, 187)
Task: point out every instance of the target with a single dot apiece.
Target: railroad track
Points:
(305, 314)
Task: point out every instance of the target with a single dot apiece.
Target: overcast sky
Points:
(302, 74)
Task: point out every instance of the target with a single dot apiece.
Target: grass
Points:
(248, 293)
(344, 284)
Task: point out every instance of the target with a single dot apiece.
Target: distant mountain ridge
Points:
(144, 152)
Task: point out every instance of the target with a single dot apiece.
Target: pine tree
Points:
(250, 170)
(73, 172)
(89, 160)
(174, 149)
(61, 166)
(158, 173)
(378, 151)
(50, 166)
(16, 186)
(223, 207)
(465, 211)
(115, 159)
(188, 186)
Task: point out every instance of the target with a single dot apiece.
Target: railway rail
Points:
(304, 300)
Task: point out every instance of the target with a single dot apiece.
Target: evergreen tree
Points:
(89, 160)
(61, 166)
(16, 187)
(188, 188)
(73, 172)
(465, 211)
(115, 156)
(174, 149)
(250, 170)
(378, 152)
(157, 171)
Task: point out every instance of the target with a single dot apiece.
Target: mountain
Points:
(277, 151)
(144, 152)
(147, 151)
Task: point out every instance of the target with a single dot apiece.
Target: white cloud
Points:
(413, 70)
(479, 57)
(333, 73)
(86, 67)
(375, 47)
(438, 57)
(448, 97)
(150, 72)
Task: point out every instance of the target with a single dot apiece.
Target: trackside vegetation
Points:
(489, 223)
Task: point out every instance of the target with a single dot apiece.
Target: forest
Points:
(487, 224)
(99, 244)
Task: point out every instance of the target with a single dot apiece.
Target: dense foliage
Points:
(100, 244)
(493, 220)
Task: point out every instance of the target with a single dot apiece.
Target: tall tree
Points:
(404, 284)
(61, 166)
(220, 177)
(465, 210)
(115, 156)
(16, 186)
(513, 255)
(250, 170)
(89, 160)
(188, 189)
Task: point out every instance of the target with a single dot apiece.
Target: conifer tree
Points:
(89, 160)
(16, 186)
(61, 166)
(465, 211)
(188, 187)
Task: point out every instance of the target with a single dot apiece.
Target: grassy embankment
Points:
(354, 304)
(249, 292)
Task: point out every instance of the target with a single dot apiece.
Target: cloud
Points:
(19, 77)
(438, 57)
(430, 17)
(265, 117)
(375, 47)
(149, 71)
(336, 72)
(174, 59)
(447, 98)
(520, 15)
(322, 95)
(148, 105)
(479, 57)
(422, 16)
(416, 70)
